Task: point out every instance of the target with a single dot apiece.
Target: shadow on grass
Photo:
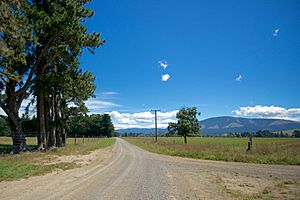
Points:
(7, 148)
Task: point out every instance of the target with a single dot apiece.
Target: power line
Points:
(155, 112)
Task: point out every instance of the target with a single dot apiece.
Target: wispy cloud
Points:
(269, 112)
(165, 77)
(276, 32)
(109, 93)
(99, 105)
(164, 64)
(29, 101)
(239, 78)
(94, 105)
(141, 119)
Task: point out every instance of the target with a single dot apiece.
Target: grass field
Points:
(31, 164)
(264, 150)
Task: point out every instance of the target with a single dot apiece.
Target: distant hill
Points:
(145, 131)
(219, 125)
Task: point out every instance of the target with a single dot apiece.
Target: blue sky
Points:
(239, 58)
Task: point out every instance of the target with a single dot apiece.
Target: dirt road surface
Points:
(128, 172)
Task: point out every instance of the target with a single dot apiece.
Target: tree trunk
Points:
(57, 122)
(63, 125)
(47, 121)
(52, 139)
(52, 127)
(58, 138)
(41, 120)
(64, 136)
(185, 139)
(12, 111)
(18, 138)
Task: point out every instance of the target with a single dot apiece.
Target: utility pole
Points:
(155, 112)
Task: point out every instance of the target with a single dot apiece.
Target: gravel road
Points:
(132, 173)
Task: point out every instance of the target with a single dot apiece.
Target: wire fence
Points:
(9, 140)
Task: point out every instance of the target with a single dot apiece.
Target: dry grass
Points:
(264, 150)
(33, 163)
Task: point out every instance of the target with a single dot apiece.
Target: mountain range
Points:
(219, 125)
(237, 125)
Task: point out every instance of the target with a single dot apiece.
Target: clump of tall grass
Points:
(264, 150)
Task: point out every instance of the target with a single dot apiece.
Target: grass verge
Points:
(13, 167)
(264, 150)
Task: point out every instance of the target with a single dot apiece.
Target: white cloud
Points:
(276, 32)
(96, 105)
(141, 119)
(165, 77)
(109, 93)
(165, 115)
(164, 64)
(24, 104)
(143, 115)
(268, 112)
(2, 112)
(239, 78)
(167, 121)
(31, 101)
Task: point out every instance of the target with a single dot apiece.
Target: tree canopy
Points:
(93, 125)
(40, 41)
(187, 124)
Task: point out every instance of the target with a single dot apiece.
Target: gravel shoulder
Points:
(125, 171)
(42, 186)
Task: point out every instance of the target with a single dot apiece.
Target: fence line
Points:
(31, 138)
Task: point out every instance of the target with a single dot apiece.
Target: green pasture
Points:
(264, 150)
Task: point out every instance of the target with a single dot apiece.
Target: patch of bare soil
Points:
(80, 160)
(23, 189)
(204, 179)
(255, 187)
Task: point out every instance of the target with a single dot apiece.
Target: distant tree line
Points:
(4, 128)
(83, 125)
(136, 134)
(93, 125)
(29, 125)
(261, 133)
